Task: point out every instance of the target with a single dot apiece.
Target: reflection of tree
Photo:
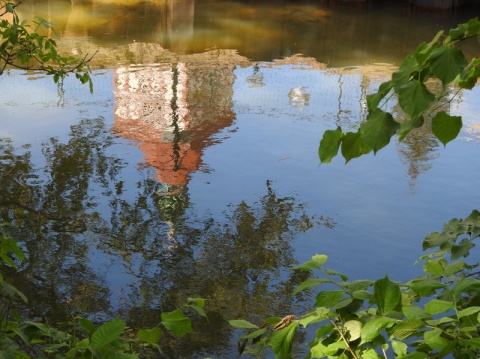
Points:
(419, 148)
(49, 210)
(417, 151)
(78, 208)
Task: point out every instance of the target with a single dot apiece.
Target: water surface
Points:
(192, 170)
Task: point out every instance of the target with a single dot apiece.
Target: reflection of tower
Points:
(172, 110)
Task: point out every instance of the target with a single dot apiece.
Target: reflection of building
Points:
(173, 109)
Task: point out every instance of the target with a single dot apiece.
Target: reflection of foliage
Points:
(172, 202)
(78, 209)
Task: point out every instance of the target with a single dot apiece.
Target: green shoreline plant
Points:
(432, 316)
(81, 338)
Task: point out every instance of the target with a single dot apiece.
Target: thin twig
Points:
(343, 338)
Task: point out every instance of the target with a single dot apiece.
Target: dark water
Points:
(192, 171)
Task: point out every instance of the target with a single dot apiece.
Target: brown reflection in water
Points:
(172, 110)
(335, 33)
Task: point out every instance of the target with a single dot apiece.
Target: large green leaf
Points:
(374, 327)
(311, 282)
(328, 298)
(446, 127)
(468, 311)
(353, 146)
(379, 128)
(374, 99)
(387, 295)
(468, 79)
(354, 328)
(414, 98)
(107, 333)
(436, 306)
(434, 340)
(462, 249)
(409, 66)
(409, 125)
(281, 340)
(177, 322)
(447, 63)
(329, 145)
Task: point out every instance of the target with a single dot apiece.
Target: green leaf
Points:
(468, 311)
(328, 298)
(315, 263)
(334, 272)
(379, 128)
(387, 295)
(445, 127)
(177, 322)
(474, 342)
(425, 287)
(414, 98)
(324, 330)
(399, 348)
(311, 282)
(467, 285)
(239, 323)
(454, 268)
(150, 336)
(436, 306)
(374, 99)
(310, 319)
(409, 66)
(87, 325)
(361, 294)
(107, 333)
(255, 334)
(12, 291)
(435, 266)
(197, 304)
(320, 259)
(462, 249)
(374, 327)
(329, 145)
(353, 146)
(281, 340)
(407, 328)
(414, 312)
(370, 354)
(354, 328)
(434, 340)
(409, 125)
(447, 63)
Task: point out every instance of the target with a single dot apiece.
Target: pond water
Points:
(192, 170)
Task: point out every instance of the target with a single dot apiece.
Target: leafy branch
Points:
(439, 60)
(22, 47)
(432, 316)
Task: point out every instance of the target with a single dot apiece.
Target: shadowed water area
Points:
(192, 170)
